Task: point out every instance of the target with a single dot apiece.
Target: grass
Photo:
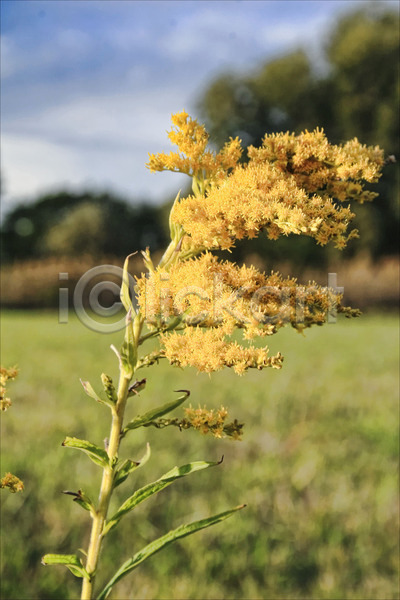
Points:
(317, 468)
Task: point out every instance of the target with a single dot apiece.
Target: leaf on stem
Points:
(128, 466)
(92, 394)
(82, 499)
(96, 454)
(160, 543)
(174, 229)
(156, 486)
(142, 420)
(137, 387)
(71, 561)
(128, 353)
(125, 295)
(147, 260)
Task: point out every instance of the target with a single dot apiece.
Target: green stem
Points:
(148, 336)
(106, 488)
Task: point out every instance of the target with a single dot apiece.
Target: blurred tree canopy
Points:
(73, 224)
(356, 95)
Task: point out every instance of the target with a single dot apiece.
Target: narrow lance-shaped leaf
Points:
(90, 392)
(71, 561)
(173, 227)
(128, 352)
(160, 411)
(96, 454)
(124, 294)
(162, 542)
(136, 387)
(128, 466)
(82, 499)
(156, 486)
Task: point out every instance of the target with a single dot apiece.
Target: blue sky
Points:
(88, 87)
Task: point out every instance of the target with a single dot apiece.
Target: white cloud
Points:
(98, 142)
(31, 164)
(204, 35)
(120, 119)
(218, 36)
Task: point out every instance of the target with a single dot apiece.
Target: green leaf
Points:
(156, 486)
(125, 295)
(90, 392)
(136, 387)
(160, 543)
(174, 229)
(98, 455)
(82, 499)
(71, 561)
(160, 411)
(128, 352)
(128, 466)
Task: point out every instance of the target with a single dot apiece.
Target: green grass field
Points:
(317, 468)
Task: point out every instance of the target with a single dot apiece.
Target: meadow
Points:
(317, 467)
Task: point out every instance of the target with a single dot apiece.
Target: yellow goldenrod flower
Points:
(212, 293)
(208, 351)
(5, 375)
(206, 420)
(12, 482)
(258, 197)
(289, 185)
(194, 159)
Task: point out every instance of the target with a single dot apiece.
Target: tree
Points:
(71, 223)
(357, 96)
(79, 232)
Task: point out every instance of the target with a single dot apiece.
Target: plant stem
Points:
(99, 518)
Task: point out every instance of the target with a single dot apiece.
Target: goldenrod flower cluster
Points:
(291, 184)
(5, 375)
(206, 421)
(208, 351)
(212, 421)
(12, 482)
(259, 197)
(193, 159)
(212, 298)
(315, 161)
(335, 171)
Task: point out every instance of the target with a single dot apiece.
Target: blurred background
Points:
(88, 88)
